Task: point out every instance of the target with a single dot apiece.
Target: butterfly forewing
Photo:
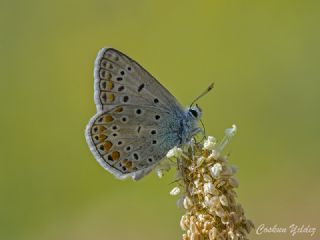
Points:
(121, 80)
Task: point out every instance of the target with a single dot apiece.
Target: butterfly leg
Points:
(195, 132)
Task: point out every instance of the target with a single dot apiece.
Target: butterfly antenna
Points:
(204, 93)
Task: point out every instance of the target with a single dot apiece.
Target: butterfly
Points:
(137, 121)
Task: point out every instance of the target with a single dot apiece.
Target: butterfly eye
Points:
(194, 113)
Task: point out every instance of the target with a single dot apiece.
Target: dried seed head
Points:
(212, 211)
(212, 202)
(220, 183)
(175, 191)
(193, 227)
(201, 218)
(180, 202)
(209, 188)
(216, 170)
(185, 237)
(234, 218)
(230, 132)
(195, 236)
(231, 235)
(159, 173)
(207, 178)
(214, 155)
(223, 200)
(220, 212)
(174, 152)
(210, 143)
(200, 160)
(225, 219)
(208, 225)
(184, 223)
(187, 203)
(227, 171)
(233, 182)
(213, 233)
(248, 226)
(234, 170)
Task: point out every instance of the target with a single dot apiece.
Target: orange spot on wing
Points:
(111, 97)
(115, 155)
(102, 137)
(102, 129)
(107, 145)
(119, 109)
(128, 164)
(110, 85)
(108, 118)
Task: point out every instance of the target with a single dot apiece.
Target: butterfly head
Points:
(195, 112)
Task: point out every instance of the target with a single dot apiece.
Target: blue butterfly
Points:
(137, 121)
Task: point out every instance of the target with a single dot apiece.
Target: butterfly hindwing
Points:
(129, 140)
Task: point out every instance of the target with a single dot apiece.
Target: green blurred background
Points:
(263, 57)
